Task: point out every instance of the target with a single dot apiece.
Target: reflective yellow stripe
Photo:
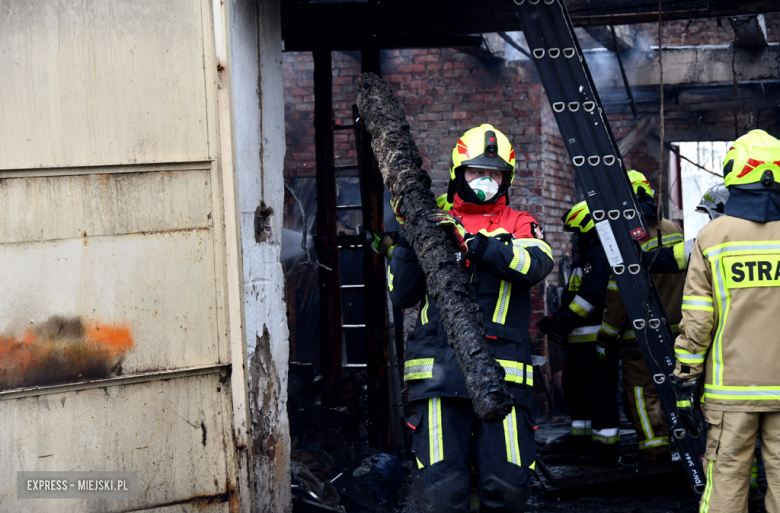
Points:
(418, 369)
(525, 243)
(666, 240)
(529, 375)
(734, 393)
(679, 256)
(514, 370)
(389, 279)
(608, 436)
(435, 438)
(510, 438)
(612, 285)
(584, 334)
(609, 330)
(698, 303)
(521, 261)
(581, 428)
(424, 312)
(742, 247)
(688, 357)
(724, 302)
(642, 411)
(654, 442)
(705, 498)
(581, 307)
(533, 465)
(502, 306)
(419, 463)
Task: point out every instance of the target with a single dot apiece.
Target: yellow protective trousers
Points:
(646, 414)
(731, 443)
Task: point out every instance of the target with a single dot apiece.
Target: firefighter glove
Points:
(395, 203)
(687, 393)
(545, 322)
(457, 234)
(382, 245)
(601, 352)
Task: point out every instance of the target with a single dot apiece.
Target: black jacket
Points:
(430, 368)
(582, 304)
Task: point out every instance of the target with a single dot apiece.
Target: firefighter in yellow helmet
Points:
(505, 254)
(590, 378)
(729, 340)
(641, 403)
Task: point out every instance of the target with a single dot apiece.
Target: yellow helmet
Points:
(484, 147)
(578, 219)
(753, 162)
(638, 181)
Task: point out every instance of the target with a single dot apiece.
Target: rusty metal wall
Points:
(119, 319)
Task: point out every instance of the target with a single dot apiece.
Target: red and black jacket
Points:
(507, 257)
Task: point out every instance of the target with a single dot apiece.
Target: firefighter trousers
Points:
(590, 386)
(645, 408)
(731, 444)
(448, 438)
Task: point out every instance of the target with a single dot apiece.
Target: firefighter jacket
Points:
(507, 257)
(730, 329)
(582, 303)
(616, 323)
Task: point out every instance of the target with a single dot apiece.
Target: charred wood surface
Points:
(400, 164)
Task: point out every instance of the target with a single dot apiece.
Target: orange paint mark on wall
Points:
(62, 350)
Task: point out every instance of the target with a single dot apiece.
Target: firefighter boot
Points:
(450, 494)
(498, 496)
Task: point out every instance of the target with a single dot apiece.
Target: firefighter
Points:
(590, 383)
(713, 203)
(729, 335)
(505, 254)
(642, 402)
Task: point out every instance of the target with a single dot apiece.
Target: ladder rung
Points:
(353, 326)
(349, 207)
(343, 127)
(346, 168)
(358, 286)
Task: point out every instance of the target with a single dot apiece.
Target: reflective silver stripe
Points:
(747, 247)
(640, 407)
(511, 371)
(585, 330)
(753, 393)
(691, 302)
(435, 439)
(519, 259)
(606, 328)
(510, 438)
(655, 442)
(721, 324)
(585, 305)
(418, 368)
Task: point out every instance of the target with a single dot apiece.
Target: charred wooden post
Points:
(371, 193)
(400, 164)
(327, 250)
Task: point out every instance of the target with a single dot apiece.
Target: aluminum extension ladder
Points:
(619, 222)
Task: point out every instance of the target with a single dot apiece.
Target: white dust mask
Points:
(485, 188)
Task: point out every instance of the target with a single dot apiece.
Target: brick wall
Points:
(445, 92)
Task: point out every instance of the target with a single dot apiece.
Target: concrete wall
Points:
(258, 111)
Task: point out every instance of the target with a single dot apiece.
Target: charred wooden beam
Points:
(398, 24)
(327, 251)
(400, 164)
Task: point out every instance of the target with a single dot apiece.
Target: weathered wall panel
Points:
(89, 83)
(170, 432)
(50, 208)
(159, 286)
